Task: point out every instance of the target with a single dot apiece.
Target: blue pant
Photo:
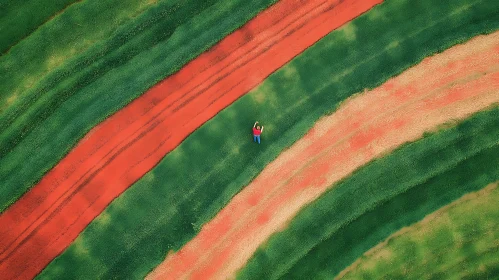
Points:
(256, 137)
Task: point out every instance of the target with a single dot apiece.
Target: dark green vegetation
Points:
(19, 18)
(459, 242)
(167, 207)
(40, 129)
(379, 199)
(57, 42)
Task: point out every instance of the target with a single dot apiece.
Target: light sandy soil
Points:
(446, 87)
(115, 154)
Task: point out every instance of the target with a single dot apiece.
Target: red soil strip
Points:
(119, 151)
(448, 86)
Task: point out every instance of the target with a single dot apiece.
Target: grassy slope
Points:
(458, 242)
(56, 42)
(167, 206)
(25, 16)
(107, 77)
(380, 198)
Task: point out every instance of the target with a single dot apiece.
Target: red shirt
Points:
(256, 132)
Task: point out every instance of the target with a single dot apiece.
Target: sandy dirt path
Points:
(442, 88)
(119, 151)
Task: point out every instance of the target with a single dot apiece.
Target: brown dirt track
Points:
(115, 154)
(443, 88)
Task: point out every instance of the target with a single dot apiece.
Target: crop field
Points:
(127, 151)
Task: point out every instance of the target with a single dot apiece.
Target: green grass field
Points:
(380, 198)
(36, 133)
(62, 84)
(26, 16)
(56, 43)
(167, 207)
(459, 242)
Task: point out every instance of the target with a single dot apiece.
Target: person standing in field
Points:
(257, 131)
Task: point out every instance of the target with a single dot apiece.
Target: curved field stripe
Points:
(108, 76)
(166, 208)
(379, 199)
(457, 241)
(362, 129)
(358, 228)
(19, 18)
(126, 155)
(58, 42)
